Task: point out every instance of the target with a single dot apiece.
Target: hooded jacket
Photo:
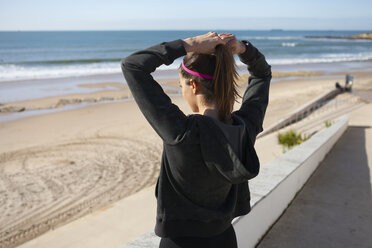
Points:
(205, 164)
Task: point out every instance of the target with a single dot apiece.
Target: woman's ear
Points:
(195, 86)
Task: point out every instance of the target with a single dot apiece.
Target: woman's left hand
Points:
(205, 43)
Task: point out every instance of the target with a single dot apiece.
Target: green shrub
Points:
(290, 139)
(328, 123)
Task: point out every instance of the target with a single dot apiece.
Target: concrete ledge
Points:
(279, 181)
(274, 188)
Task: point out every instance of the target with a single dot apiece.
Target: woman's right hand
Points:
(236, 46)
(205, 43)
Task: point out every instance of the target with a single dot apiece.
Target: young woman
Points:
(208, 157)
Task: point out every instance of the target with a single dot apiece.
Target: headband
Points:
(195, 73)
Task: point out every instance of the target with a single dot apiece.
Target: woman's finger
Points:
(213, 34)
(226, 35)
(226, 40)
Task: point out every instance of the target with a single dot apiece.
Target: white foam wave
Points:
(271, 37)
(325, 58)
(11, 72)
(289, 44)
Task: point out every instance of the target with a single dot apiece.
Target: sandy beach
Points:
(60, 166)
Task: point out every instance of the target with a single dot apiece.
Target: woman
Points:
(208, 157)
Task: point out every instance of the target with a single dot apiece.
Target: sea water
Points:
(34, 58)
(30, 55)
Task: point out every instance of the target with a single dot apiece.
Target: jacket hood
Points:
(227, 149)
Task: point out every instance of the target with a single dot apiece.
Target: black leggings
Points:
(226, 239)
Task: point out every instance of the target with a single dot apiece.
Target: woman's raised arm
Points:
(165, 117)
(256, 96)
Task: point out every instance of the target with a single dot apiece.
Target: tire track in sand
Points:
(42, 188)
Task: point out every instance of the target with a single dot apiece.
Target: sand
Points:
(58, 167)
(362, 36)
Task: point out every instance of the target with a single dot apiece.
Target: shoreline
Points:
(20, 109)
(21, 90)
(110, 92)
(20, 99)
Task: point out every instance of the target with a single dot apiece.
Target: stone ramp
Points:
(334, 208)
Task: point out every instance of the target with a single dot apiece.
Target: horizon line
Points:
(100, 30)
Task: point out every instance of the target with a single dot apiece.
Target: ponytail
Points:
(225, 77)
(222, 89)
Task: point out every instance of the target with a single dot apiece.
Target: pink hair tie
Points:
(195, 73)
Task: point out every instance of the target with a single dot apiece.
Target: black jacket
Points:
(206, 164)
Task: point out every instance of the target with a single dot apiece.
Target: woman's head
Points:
(221, 90)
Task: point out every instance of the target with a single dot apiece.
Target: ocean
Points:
(59, 54)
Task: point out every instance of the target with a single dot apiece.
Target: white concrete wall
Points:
(280, 180)
(274, 188)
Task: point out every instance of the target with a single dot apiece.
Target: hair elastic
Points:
(195, 73)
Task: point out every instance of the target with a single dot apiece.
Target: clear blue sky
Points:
(188, 14)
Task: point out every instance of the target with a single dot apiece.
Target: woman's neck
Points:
(209, 111)
(212, 112)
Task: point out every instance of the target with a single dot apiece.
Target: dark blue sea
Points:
(38, 55)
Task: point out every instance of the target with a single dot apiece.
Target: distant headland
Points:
(364, 36)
